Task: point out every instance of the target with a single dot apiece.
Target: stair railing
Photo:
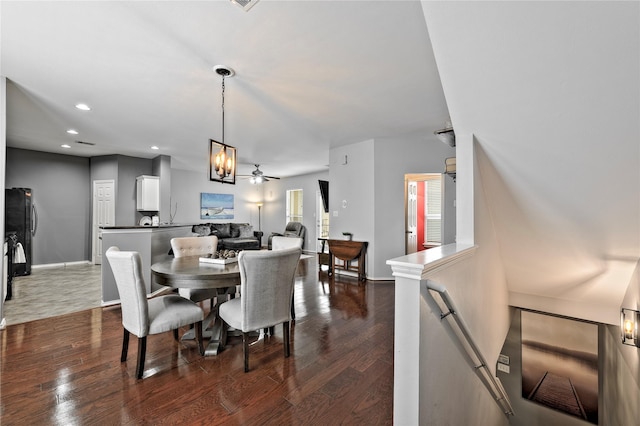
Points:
(466, 344)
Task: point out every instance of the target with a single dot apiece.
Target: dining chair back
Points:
(195, 246)
(266, 287)
(279, 243)
(142, 316)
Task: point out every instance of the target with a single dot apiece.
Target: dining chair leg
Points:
(245, 350)
(293, 308)
(142, 348)
(125, 345)
(285, 333)
(198, 328)
(175, 335)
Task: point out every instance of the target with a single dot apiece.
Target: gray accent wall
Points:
(123, 170)
(62, 196)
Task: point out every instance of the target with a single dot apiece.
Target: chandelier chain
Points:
(223, 108)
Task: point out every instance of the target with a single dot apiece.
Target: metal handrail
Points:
(480, 366)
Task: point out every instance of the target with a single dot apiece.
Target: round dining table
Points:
(191, 272)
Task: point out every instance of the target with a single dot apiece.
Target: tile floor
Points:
(50, 292)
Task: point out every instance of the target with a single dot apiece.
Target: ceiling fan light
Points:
(259, 179)
(252, 180)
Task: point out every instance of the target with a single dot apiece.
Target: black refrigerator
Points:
(20, 217)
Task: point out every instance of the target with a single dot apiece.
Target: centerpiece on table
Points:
(221, 257)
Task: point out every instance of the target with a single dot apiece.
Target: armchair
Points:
(293, 229)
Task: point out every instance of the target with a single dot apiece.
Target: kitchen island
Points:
(152, 242)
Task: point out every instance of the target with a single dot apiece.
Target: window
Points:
(294, 205)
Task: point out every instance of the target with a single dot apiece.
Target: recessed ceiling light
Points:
(154, 147)
(83, 107)
(72, 132)
(66, 146)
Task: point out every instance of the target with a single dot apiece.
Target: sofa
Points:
(231, 236)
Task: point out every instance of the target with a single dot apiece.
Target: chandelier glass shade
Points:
(223, 163)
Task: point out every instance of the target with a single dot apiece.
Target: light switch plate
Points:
(504, 368)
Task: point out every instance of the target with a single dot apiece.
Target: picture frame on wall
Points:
(216, 206)
(560, 364)
(222, 162)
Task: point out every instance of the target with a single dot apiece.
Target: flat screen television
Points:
(324, 192)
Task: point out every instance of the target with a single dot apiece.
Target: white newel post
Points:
(410, 271)
(406, 362)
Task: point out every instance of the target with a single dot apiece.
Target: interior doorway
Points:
(294, 206)
(104, 213)
(424, 195)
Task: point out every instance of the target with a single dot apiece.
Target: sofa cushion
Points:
(202, 230)
(246, 231)
(223, 230)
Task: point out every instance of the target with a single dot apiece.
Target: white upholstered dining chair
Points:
(142, 316)
(195, 246)
(281, 243)
(266, 288)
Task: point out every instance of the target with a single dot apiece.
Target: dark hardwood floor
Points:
(67, 371)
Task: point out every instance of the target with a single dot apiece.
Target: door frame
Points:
(417, 177)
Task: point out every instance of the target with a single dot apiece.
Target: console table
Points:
(348, 251)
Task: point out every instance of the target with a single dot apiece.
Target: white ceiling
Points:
(310, 75)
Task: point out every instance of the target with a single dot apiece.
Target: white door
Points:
(104, 213)
(412, 214)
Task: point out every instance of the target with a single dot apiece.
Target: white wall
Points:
(274, 217)
(395, 157)
(186, 187)
(551, 92)
(3, 146)
(372, 184)
(351, 193)
(478, 287)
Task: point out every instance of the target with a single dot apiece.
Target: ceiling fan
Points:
(257, 176)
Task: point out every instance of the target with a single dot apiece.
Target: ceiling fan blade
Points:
(271, 177)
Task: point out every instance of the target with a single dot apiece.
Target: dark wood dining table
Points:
(190, 272)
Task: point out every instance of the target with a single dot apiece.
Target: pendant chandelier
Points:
(222, 157)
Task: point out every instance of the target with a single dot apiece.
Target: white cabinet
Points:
(148, 193)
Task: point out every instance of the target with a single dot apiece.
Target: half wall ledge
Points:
(409, 271)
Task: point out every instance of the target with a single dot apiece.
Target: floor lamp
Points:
(259, 210)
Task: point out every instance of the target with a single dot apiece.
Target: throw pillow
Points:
(246, 231)
(201, 230)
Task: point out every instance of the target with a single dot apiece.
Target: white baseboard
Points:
(60, 265)
(3, 324)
